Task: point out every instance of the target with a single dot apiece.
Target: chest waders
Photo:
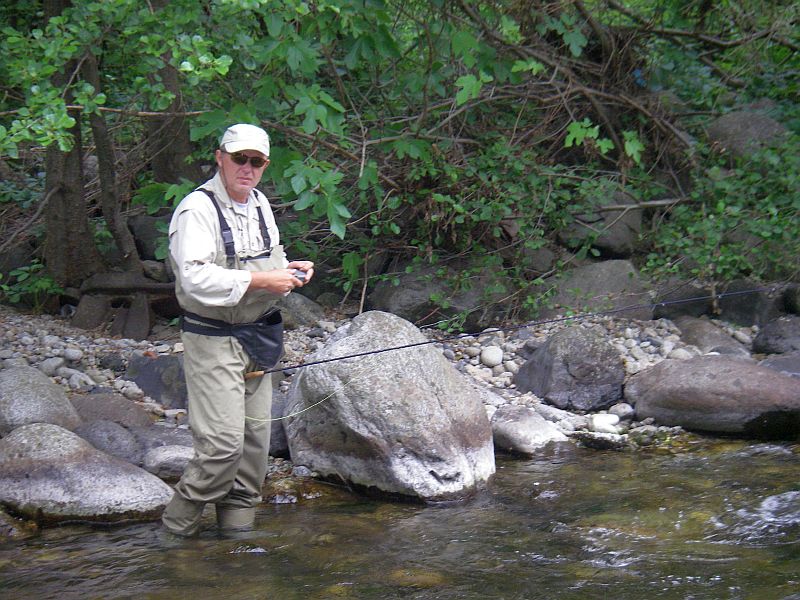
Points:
(228, 415)
(261, 339)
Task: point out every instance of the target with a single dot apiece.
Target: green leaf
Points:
(531, 65)
(306, 199)
(576, 41)
(470, 89)
(604, 145)
(464, 44)
(299, 183)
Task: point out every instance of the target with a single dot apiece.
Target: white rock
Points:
(492, 356)
(603, 423)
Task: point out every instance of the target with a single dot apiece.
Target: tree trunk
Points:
(168, 136)
(69, 252)
(109, 182)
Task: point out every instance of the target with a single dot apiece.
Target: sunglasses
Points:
(241, 159)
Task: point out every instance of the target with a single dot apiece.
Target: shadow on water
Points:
(719, 519)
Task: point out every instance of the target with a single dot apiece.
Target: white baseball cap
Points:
(245, 137)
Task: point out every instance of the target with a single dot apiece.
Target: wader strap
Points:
(205, 326)
(227, 234)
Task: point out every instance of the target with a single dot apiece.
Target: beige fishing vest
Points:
(254, 303)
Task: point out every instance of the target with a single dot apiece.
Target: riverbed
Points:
(706, 518)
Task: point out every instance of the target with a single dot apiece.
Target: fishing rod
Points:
(489, 331)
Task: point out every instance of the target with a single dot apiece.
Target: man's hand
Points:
(282, 281)
(306, 266)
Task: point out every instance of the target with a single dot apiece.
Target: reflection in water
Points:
(720, 519)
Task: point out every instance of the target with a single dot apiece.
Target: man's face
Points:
(239, 180)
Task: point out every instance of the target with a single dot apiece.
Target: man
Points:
(230, 270)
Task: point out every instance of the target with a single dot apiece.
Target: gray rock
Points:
(299, 311)
(50, 366)
(757, 306)
(404, 422)
(575, 369)
(110, 407)
(603, 423)
(167, 462)
(28, 396)
(411, 299)
(50, 474)
(623, 410)
(160, 377)
(720, 394)
(707, 337)
(779, 336)
(154, 436)
(72, 354)
(788, 364)
(112, 439)
(619, 230)
(521, 430)
(742, 132)
(611, 284)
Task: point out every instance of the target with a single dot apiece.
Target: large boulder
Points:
(720, 394)
(28, 396)
(50, 474)
(576, 369)
(779, 336)
(611, 285)
(707, 337)
(676, 298)
(403, 422)
(747, 303)
(742, 132)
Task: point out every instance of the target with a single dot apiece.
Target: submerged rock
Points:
(402, 422)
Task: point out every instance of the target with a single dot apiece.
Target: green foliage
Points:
(155, 197)
(741, 222)
(426, 128)
(29, 286)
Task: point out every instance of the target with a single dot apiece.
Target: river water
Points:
(716, 519)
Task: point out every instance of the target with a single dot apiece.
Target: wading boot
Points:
(235, 519)
(182, 517)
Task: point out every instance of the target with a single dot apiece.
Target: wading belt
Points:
(227, 234)
(262, 339)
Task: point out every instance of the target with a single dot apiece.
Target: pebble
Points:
(492, 356)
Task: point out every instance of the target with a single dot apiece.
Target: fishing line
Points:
(489, 331)
(512, 328)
